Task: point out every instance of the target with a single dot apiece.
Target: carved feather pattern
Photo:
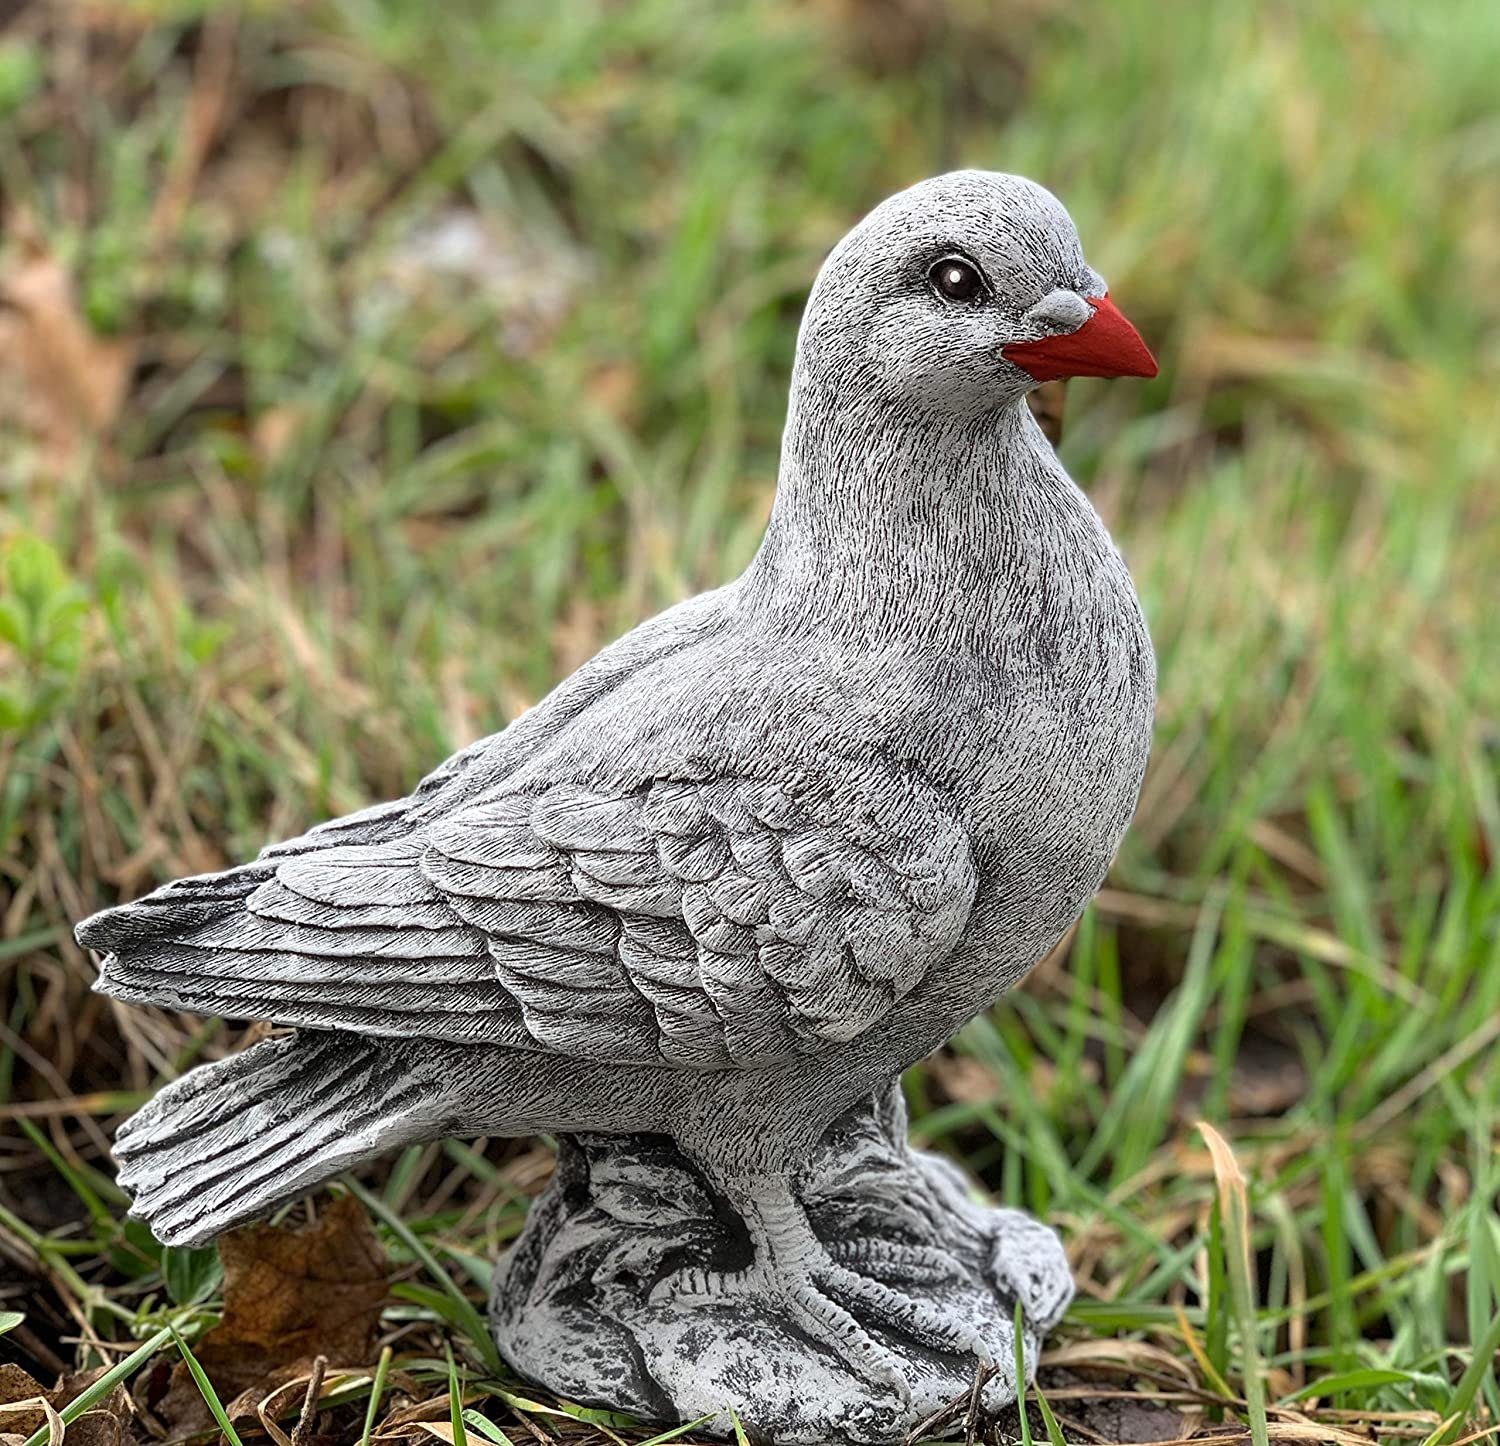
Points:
(706, 923)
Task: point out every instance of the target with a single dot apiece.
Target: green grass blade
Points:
(1020, 1327)
(1362, 1380)
(206, 1390)
(1479, 1367)
(121, 1371)
(102, 1215)
(472, 1322)
(455, 1400)
(1218, 1306)
(486, 1428)
(740, 1438)
(681, 1430)
(1054, 1431)
(1234, 1201)
(377, 1390)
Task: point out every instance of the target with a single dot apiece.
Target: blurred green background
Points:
(365, 366)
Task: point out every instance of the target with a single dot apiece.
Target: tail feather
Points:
(230, 1141)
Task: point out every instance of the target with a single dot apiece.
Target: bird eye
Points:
(954, 278)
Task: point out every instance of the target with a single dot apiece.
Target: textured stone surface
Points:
(938, 1278)
(727, 881)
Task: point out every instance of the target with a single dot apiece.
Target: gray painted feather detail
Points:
(703, 902)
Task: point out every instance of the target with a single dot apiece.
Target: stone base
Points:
(925, 1281)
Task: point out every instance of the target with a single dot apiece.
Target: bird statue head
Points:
(961, 294)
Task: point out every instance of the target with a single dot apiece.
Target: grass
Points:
(453, 343)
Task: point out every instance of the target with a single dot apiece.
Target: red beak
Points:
(1106, 345)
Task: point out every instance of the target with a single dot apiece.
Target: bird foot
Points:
(792, 1291)
(871, 1273)
(873, 1286)
(930, 1323)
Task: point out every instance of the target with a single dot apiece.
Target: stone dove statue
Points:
(695, 911)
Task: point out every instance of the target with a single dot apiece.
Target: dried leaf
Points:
(26, 1406)
(289, 1295)
(295, 1294)
(55, 1428)
(1233, 1195)
(1116, 1356)
(18, 1385)
(106, 1422)
(97, 1428)
(21, 1397)
(60, 382)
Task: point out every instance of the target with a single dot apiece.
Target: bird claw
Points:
(946, 1329)
(691, 1286)
(895, 1260)
(795, 1292)
(1027, 1261)
(824, 1288)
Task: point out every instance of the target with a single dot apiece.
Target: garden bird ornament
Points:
(696, 910)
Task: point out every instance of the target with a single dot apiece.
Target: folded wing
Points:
(707, 923)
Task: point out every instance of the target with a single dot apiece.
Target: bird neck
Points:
(888, 524)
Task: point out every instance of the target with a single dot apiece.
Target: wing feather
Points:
(708, 922)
